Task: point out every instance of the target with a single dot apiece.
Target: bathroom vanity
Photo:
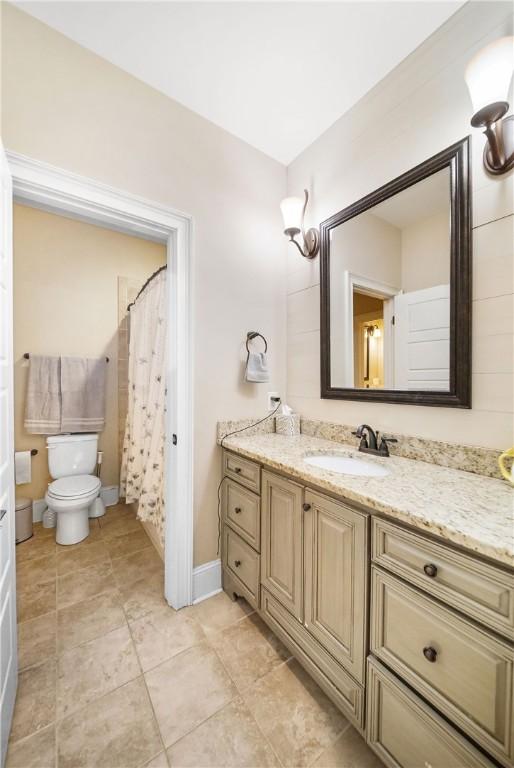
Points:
(395, 592)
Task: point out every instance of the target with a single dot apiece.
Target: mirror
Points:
(395, 285)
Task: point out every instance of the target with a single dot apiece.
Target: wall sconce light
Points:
(293, 212)
(372, 330)
(488, 77)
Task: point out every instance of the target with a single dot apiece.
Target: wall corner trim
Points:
(206, 580)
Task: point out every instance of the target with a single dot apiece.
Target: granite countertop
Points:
(473, 511)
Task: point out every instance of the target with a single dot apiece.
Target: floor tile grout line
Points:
(240, 691)
(146, 687)
(334, 740)
(55, 658)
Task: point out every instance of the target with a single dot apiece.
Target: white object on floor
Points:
(71, 460)
(97, 508)
(71, 498)
(346, 465)
(110, 495)
(22, 467)
(49, 518)
(38, 509)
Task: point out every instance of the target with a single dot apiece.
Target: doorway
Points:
(52, 189)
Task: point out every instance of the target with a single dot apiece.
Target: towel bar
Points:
(27, 356)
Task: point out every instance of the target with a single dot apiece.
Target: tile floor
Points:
(111, 677)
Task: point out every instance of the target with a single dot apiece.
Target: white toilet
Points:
(75, 490)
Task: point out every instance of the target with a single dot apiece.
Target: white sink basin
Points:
(346, 465)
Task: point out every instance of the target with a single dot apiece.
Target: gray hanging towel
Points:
(43, 400)
(83, 394)
(257, 367)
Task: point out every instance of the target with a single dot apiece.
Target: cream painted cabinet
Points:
(282, 541)
(336, 559)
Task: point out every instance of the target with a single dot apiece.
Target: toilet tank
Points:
(71, 454)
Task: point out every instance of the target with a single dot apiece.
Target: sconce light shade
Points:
(292, 211)
(488, 77)
(489, 73)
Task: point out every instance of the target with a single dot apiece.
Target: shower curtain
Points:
(142, 465)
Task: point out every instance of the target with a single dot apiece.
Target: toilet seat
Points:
(74, 487)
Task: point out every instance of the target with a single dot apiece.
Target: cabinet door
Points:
(281, 541)
(336, 556)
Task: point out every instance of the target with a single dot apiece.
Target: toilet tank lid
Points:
(54, 439)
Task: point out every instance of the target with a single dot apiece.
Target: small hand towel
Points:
(22, 467)
(257, 367)
(83, 394)
(43, 401)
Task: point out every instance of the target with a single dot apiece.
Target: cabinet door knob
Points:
(237, 563)
(237, 510)
(430, 570)
(237, 470)
(430, 653)
(306, 507)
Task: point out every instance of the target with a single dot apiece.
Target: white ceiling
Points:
(275, 74)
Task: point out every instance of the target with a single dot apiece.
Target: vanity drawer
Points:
(242, 564)
(482, 591)
(242, 511)
(459, 668)
(405, 732)
(243, 471)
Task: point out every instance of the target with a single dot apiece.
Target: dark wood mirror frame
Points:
(457, 159)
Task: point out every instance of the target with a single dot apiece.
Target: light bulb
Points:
(292, 210)
(489, 73)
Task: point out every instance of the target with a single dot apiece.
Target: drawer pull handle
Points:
(306, 507)
(237, 470)
(237, 563)
(430, 654)
(237, 510)
(430, 570)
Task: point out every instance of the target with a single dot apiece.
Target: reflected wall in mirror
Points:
(395, 283)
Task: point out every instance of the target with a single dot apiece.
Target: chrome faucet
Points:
(369, 441)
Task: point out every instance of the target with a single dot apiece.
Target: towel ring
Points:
(254, 335)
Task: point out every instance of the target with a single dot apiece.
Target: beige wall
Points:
(417, 110)
(426, 253)
(68, 107)
(66, 302)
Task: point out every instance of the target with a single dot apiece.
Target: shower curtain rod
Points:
(157, 272)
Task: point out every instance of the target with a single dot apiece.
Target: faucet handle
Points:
(363, 439)
(383, 448)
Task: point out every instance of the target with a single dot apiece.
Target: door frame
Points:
(40, 185)
(353, 281)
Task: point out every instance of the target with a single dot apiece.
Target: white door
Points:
(422, 339)
(8, 659)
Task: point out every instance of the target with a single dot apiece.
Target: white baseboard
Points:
(206, 580)
(38, 507)
(109, 495)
